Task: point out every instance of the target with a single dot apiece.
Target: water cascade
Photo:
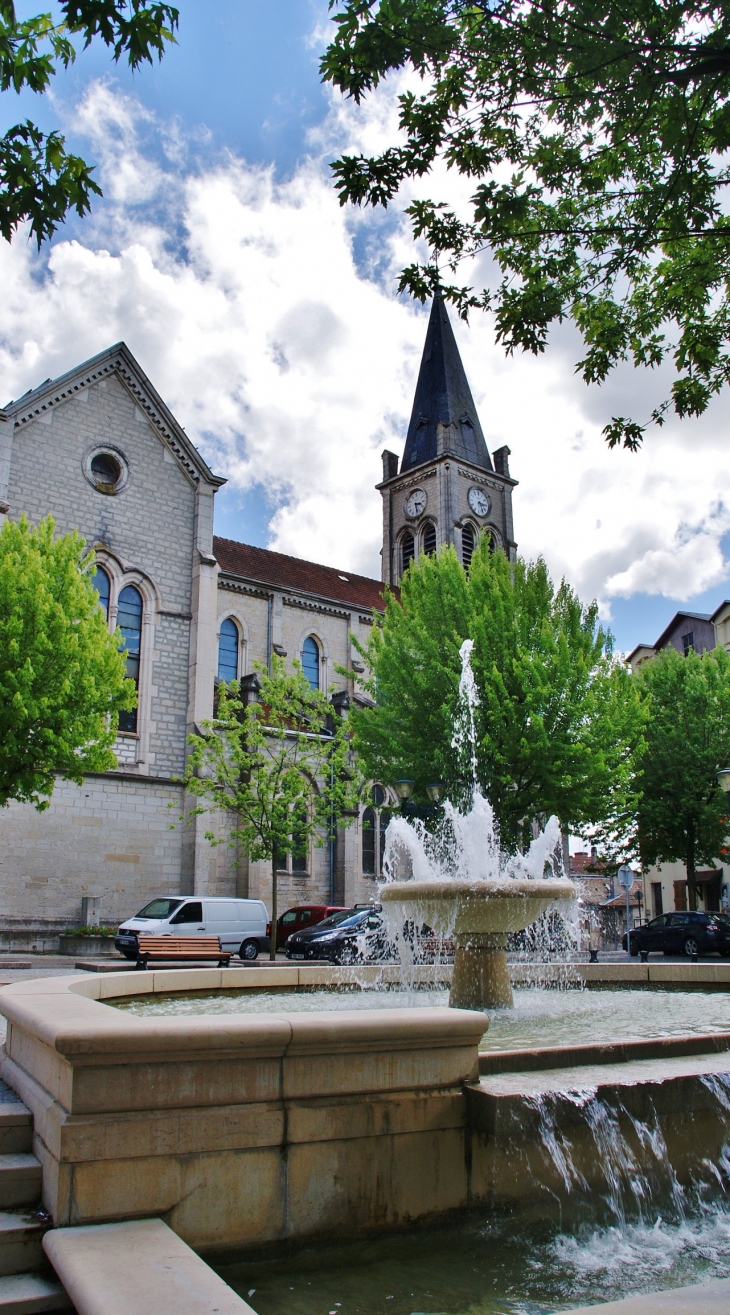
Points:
(460, 883)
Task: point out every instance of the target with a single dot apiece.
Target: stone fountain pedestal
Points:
(480, 915)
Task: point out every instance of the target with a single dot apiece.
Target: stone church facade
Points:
(99, 449)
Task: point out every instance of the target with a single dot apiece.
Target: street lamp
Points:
(404, 789)
(435, 791)
(625, 876)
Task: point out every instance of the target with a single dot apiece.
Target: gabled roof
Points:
(722, 605)
(261, 566)
(650, 648)
(120, 361)
(443, 396)
(690, 616)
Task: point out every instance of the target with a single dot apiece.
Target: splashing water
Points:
(467, 845)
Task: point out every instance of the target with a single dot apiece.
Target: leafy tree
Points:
(280, 764)
(39, 180)
(682, 814)
(557, 716)
(62, 676)
(596, 136)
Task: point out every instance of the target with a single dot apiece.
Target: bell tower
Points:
(448, 489)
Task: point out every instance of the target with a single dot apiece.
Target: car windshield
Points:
(159, 908)
(345, 917)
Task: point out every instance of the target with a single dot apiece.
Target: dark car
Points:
(683, 933)
(301, 917)
(350, 936)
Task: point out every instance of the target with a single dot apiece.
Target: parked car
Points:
(683, 933)
(302, 916)
(349, 936)
(240, 924)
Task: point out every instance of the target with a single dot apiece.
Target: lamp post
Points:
(435, 791)
(404, 789)
(626, 880)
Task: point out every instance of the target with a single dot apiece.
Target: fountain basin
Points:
(480, 915)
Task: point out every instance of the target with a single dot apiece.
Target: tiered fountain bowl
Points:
(480, 915)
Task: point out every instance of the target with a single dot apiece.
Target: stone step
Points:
(30, 1294)
(16, 1128)
(21, 1180)
(21, 1238)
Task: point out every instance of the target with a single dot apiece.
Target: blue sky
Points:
(268, 319)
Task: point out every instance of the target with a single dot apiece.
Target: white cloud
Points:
(292, 363)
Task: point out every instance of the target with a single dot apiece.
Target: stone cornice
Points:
(241, 587)
(312, 605)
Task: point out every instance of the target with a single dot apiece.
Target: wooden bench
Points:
(181, 949)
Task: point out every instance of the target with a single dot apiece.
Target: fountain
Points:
(461, 883)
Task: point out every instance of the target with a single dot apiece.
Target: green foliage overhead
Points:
(557, 718)
(40, 182)
(62, 676)
(279, 766)
(595, 139)
(682, 814)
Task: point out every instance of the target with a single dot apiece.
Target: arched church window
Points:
(100, 581)
(429, 538)
(310, 661)
(228, 650)
(129, 620)
(468, 544)
(384, 820)
(407, 551)
(368, 842)
(375, 821)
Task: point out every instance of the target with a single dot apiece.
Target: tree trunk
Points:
(274, 911)
(690, 865)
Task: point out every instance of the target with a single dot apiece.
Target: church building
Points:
(100, 451)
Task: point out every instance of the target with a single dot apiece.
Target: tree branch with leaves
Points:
(557, 721)
(682, 815)
(596, 137)
(62, 675)
(40, 181)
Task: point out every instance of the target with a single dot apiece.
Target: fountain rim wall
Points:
(64, 1013)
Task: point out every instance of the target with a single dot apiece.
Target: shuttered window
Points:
(429, 539)
(468, 541)
(407, 551)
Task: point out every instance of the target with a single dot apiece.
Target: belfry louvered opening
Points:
(407, 551)
(429, 538)
(468, 544)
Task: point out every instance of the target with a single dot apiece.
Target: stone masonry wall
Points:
(113, 838)
(149, 526)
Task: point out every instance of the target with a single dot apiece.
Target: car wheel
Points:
(634, 947)
(249, 950)
(691, 948)
(129, 954)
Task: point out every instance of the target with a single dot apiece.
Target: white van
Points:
(240, 924)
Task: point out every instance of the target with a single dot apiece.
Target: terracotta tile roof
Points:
(275, 568)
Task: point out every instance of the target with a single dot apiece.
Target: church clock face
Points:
(479, 501)
(415, 504)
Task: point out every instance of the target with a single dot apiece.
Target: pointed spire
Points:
(443, 397)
